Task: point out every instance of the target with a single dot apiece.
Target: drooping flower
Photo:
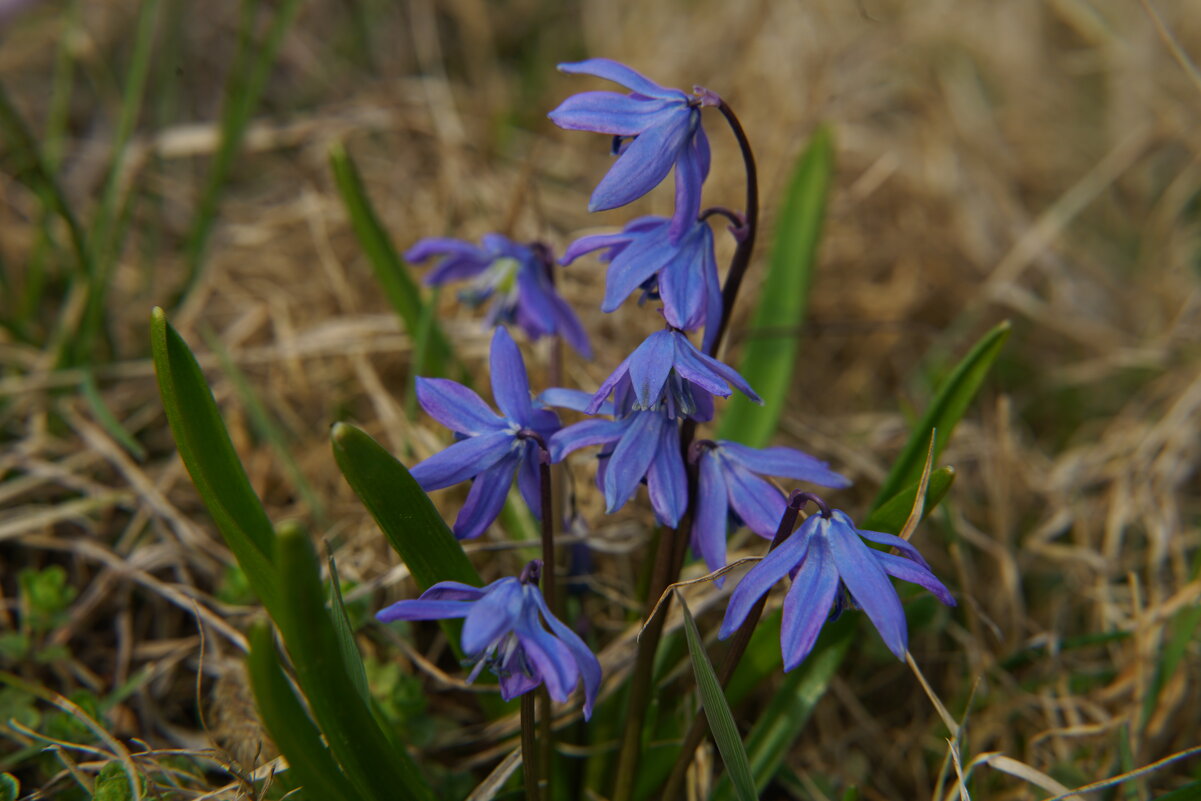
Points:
(727, 482)
(491, 448)
(665, 128)
(505, 630)
(642, 444)
(684, 271)
(825, 557)
(516, 277)
(668, 369)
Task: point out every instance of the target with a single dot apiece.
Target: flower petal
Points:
(892, 541)
(550, 657)
(585, 660)
(614, 71)
(492, 616)
(908, 570)
(588, 244)
(574, 399)
(869, 585)
(775, 566)
(631, 458)
(485, 499)
(808, 603)
(456, 407)
(683, 280)
(690, 176)
(608, 386)
(510, 385)
(649, 366)
(609, 113)
(529, 479)
(443, 246)
(584, 434)
(423, 610)
(634, 265)
(462, 460)
(786, 462)
(454, 591)
(666, 479)
(757, 502)
(706, 371)
(644, 164)
(712, 513)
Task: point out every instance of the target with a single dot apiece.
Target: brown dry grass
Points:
(1037, 161)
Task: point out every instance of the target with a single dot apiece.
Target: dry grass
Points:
(1038, 161)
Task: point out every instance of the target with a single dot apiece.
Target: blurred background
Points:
(1031, 160)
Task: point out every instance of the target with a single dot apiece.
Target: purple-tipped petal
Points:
(696, 366)
(608, 386)
(908, 570)
(422, 610)
(758, 503)
(892, 541)
(775, 566)
(608, 113)
(457, 407)
(869, 586)
(456, 268)
(690, 177)
(575, 399)
(510, 385)
(529, 479)
(485, 499)
(516, 683)
(614, 71)
(588, 244)
(807, 603)
(462, 460)
(683, 281)
(585, 660)
(644, 164)
(712, 513)
(633, 266)
(649, 366)
(785, 462)
(631, 458)
(453, 591)
(443, 246)
(666, 478)
(584, 434)
(551, 658)
(492, 616)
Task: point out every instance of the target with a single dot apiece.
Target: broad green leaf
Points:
(350, 649)
(789, 709)
(401, 290)
(377, 769)
(208, 454)
(402, 509)
(1189, 792)
(10, 788)
(770, 353)
(309, 760)
(717, 712)
(890, 517)
(948, 406)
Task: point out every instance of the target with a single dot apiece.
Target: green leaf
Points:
(717, 711)
(949, 404)
(401, 290)
(378, 769)
(112, 784)
(309, 760)
(10, 788)
(342, 627)
(208, 454)
(402, 509)
(107, 420)
(770, 353)
(890, 517)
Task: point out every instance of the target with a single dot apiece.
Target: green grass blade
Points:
(891, 515)
(248, 77)
(310, 763)
(770, 353)
(401, 290)
(401, 508)
(377, 769)
(107, 420)
(208, 454)
(948, 406)
(717, 712)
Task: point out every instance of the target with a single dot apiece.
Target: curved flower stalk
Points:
(517, 279)
(682, 273)
(826, 558)
(505, 630)
(728, 485)
(491, 448)
(655, 129)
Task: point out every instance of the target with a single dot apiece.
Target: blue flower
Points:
(491, 448)
(642, 444)
(667, 369)
(684, 271)
(515, 276)
(665, 126)
(502, 631)
(726, 482)
(827, 556)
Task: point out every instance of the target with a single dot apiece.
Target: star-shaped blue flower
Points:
(492, 448)
(824, 556)
(684, 271)
(727, 482)
(665, 125)
(516, 277)
(503, 630)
